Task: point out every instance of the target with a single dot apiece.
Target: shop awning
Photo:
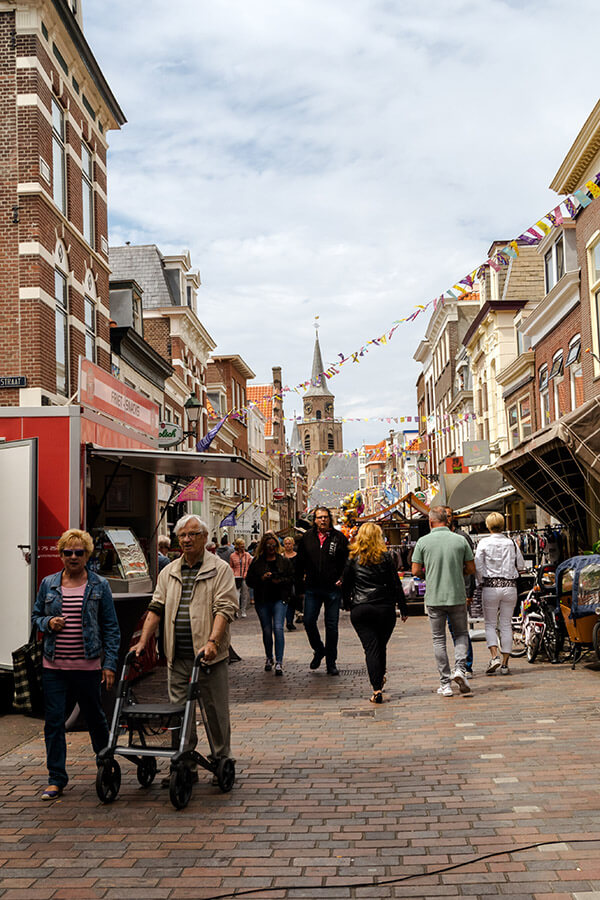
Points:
(490, 503)
(555, 468)
(181, 464)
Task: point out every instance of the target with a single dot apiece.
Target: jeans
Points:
(314, 599)
(469, 659)
(243, 594)
(84, 687)
(457, 616)
(290, 610)
(374, 623)
(272, 617)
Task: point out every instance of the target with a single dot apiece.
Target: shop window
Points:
(58, 157)
(87, 194)
(61, 324)
(90, 329)
(554, 263)
(513, 425)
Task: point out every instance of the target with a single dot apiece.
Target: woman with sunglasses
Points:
(75, 612)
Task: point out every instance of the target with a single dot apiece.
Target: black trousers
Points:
(374, 623)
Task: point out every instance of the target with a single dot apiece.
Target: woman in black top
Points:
(271, 575)
(371, 590)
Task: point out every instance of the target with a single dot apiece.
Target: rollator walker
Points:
(143, 720)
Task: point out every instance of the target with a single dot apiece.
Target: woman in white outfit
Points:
(498, 561)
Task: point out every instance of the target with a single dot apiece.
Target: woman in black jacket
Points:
(371, 591)
(271, 576)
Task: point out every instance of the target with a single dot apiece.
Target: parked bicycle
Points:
(536, 625)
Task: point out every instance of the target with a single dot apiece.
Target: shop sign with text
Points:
(100, 391)
(169, 434)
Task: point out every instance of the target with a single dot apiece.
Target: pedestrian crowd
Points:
(199, 594)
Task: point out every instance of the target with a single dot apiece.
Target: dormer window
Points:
(554, 263)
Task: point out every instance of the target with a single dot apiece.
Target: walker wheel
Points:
(146, 771)
(180, 787)
(226, 774)
(108, 780)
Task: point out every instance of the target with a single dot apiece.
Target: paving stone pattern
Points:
(333, 792)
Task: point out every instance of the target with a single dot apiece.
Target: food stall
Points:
(92, 465)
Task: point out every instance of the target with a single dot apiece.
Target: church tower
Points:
(319, 429)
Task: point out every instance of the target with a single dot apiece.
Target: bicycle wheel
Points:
(533, 647)
(519, 647)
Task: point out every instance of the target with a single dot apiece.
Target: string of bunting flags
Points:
(568, 208)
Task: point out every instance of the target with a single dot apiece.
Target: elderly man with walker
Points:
(196, 598)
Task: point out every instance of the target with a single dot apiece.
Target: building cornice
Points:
(520, 367)
(553, 236)
(580, 154)
(188, 315)
(563, 297)
(133, 349)
(491, 307)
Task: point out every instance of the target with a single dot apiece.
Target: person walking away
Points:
(322, 556)
(444, 558)
(164, 545)
(469, 586)
(289, 552)
(498, 561)
(371, 590)
(75, 612)
(270, 575)
(225, 549)
(240, 561)
(196, 600)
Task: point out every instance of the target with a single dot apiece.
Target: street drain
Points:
(360, 671)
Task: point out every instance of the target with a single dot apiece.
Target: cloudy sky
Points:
(341, 158)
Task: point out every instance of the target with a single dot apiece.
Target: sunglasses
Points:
(73, 552)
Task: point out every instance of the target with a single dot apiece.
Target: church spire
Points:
(318, 387)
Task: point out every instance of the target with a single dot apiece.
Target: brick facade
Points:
(35, 236)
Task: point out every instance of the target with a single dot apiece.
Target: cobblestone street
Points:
(333, 793)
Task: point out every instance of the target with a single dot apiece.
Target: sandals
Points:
(377, 697)
(52, 792)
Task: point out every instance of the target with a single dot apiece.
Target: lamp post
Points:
(193, 408)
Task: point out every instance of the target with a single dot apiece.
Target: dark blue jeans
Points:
(272, 617)
(84, 687)
(469, 659)
(314, 599)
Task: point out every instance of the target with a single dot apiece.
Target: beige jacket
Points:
(214, 592)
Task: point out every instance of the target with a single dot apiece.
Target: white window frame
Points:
(87, 193)
(90, 328)
(61, 322)
(59, 184)
(554, 268)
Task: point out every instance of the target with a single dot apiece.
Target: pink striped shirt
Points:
(68, 653)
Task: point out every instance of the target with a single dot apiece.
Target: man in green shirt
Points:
(446, 558)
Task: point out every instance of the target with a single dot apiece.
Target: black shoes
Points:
(333, 670)
(317, 659)
(291, 627)
(268, 665)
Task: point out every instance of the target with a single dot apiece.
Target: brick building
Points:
(56, 109)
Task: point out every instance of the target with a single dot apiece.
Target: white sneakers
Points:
(445, 690)
(494, 664)
(462, 681)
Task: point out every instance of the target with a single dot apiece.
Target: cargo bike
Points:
(578, 603)
(140, 722)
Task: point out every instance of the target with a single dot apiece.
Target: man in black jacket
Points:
(322, 555)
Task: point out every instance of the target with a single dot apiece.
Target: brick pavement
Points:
(333, 792)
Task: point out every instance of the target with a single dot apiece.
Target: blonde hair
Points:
(368, 547)
(74, 534)
(239, 544)
(495, 522)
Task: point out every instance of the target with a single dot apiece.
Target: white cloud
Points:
(346, 158)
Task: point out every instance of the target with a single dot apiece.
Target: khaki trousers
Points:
(214, 690)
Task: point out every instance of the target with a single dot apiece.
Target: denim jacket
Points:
(101, 634)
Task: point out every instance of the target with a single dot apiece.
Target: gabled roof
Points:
(262, 396)
(338, 478)
(319, 389)
(375, 452)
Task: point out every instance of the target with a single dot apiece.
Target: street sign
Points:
(13, 381)
(278, 494)
(169, 434)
